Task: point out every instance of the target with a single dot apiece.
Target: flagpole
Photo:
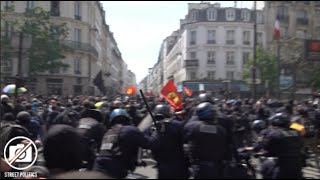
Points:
(278, 68)
(254, 53)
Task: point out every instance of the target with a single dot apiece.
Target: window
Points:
(30, 4)
(211, 37)
(55, 8)
(259, 17)
(211, 57)
(193, 76)
(77, 35)
(259, 38)
(282, 13)
(302, 17)
(193, 55)
(230, 14)
(246, 37)
(230, 58)
(54, 88)
(77, 66)
(245, 57)
(193, 38)
(7, 29)
(194, 16)
(211, 75)
(6, 65)
(302, 14)
(65, 69)
(230, 75)
(245, 15)
(212, 14)
(8, 4)
(77, 10)
(230, 37)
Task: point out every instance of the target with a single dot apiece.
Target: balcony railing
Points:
(283, 18)
(191, 63)
(230, 41)
(302, 21)
(77, 17)
(211, 42)
(246, 42)
(81, 47)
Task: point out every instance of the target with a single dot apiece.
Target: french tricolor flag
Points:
(277, 28)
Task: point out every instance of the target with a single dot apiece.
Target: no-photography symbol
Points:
(25, 153)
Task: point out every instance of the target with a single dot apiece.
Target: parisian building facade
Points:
(94, 50)
(212, 45)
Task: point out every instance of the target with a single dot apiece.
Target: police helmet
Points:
(119, 116)
(162, 110)
(258, 125)
(297, 119)
(280, 120)
(205, 97)
(205, 111)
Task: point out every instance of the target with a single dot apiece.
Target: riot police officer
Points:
(167, 145)
(120, 144)
(207, 142)
(285, 145)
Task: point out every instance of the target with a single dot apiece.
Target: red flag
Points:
(277, 28)
(131, 90)
(170, 93)
(187, 91)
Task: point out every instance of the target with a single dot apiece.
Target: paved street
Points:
(150, 173)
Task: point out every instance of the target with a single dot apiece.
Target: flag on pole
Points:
(131, 90)
(277, 28)
(98, 81)
(187, 91)
(170, 93)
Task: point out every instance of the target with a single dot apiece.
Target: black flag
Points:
(98, 81)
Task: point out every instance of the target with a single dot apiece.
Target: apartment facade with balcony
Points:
(92, 44)
(212, 44)
(299, 20)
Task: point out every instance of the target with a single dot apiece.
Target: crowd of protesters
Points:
(98, 137)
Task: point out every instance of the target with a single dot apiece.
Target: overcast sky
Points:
(139, 27)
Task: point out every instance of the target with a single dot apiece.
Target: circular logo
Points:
(24, 153)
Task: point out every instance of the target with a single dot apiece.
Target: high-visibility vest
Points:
(299, 128)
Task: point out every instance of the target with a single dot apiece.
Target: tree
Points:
(292, 53)
(266, 64)
(47, 51)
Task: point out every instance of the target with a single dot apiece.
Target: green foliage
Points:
(312, 71)
(266, 63)
(46, 51)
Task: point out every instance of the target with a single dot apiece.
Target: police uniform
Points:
(208, 147)
(286, 145)
(207, 142)
(119, 148)
(167, 150)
